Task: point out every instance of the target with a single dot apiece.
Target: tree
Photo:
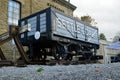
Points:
(88, 19)
(102, 36)
(116, 37)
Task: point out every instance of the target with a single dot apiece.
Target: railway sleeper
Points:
(6, 63)
(20, 63)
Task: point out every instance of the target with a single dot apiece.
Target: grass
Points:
(40, 69)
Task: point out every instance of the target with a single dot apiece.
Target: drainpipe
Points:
(30, 6)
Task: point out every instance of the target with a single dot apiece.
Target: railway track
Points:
(21, 63)
(62, 62)
(6, 63)
(25, 60)
(52, 62)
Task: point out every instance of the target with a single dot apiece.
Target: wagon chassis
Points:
(14, 32)
(52, 34)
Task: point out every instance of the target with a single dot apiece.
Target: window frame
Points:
(13, 18)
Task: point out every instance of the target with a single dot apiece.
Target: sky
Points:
(105, 12)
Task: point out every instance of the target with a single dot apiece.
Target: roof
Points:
(67, 4)
(114, 46)
(105, 42)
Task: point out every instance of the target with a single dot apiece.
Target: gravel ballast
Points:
(61, 72)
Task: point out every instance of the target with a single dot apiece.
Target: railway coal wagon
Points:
(56, 34)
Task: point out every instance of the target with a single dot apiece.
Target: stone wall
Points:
(3, 16)
(28, 7)
(31, 6)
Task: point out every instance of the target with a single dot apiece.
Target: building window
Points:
(13, 12)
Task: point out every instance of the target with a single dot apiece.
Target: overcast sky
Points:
(105, 12)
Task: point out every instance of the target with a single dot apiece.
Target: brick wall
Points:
(3, 16)
(27, 7)
(32, 6)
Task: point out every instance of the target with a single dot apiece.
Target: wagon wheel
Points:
(43, 55)
(64, 56)
(28, 53)
(60, 56)
(69, 57)
(59, 53)
(56, 53)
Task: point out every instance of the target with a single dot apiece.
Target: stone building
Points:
(107, 53)
(13, 10)
(103, 51)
